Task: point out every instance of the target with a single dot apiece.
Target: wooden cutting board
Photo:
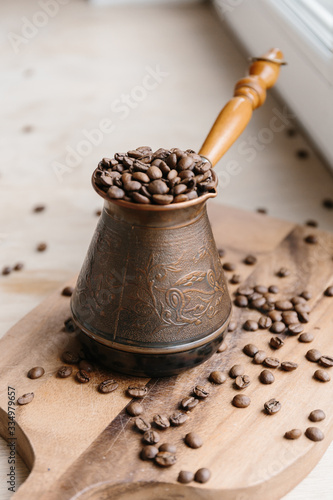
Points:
(80, 444)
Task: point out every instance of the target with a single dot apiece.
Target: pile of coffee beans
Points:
(162, 177)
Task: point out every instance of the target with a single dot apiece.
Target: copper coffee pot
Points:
(151, 298)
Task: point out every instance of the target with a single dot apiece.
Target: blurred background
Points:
(86, 79)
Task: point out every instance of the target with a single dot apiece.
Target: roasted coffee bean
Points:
(140, 198)
(261, 289)
(306, 337)
(250, 350)
(180, 198)
(250, 260)
(193, 440)
(185, 477)
(36, 372)
(262, 211)
(275, 316)
(18, 267)
(69, 326)
(165, 458)
(154, 173)
(258, 303)
(107, 385)
(273, 289)
(151, 437)
(25, 399)
(295, 329)
(241, 401)
(148, 452)
(202, 475)
(229, 266)
(272, 362)
(302, 154)
(86, 366)
(141, 424)
(264, 322)
(141, 176)
(82, 377)
(161, 421)
(200, 392)
(276, 343)
(259, 357)
(134, 408)
(328, 203)
(293, 434)
(283, 272)
(41, 247)
(250, 325)
(167, 447)
(39, 208)
(115, 193)
(289, 366)
(266, 377)
(236, 370)
(137, 391)
(311, 239)
(221, 252)
(306, 295)
(242, 381)
(232, 326)
(314, 434)
(189, 403)
(317, 416)
(311, 223)
(67, 291)
(223, 347)
(241, 301)
(235, 279)
(313, 355)
(185, 163)
(162, 199)
(322, 375)
(283, 305)
(158, 187)
(70, 357)
(298, 300)
(326, 361)
(302, 308)
(277, 327)
(64, 371)
(178, 418)
(272, 406)
(329, 291)
(290, 318)
(245, 290)
(217, 377)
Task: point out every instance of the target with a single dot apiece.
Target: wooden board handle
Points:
(249, 94)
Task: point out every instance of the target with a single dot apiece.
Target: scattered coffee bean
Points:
(41, 247)
(200, 392)
(67, 291)
(236, 371)
(298, 300)
(39, 208)
(69, 325)
(6, 270)
(250, 350)
(272, 406)
(193, 440)
(134, 408)
(283, 305)
(229, 266)
(70, 357)
(326, 361)
(141, 424)
(322, 375)
(185, 477)
(273, 289)
(223, 347)
(87, 367)
(302, 154)
(328, 203)
(245, 290)
(259, 357)
(178, 418)
(276, 343)
(290, 318)
(311, 223)
(250, 260)
(293, 434)
(250, 325)
(314, 434)
(283, 272)
(167, 447)
(217, 377)
(289, 366)
(271, 362)
(241, 301)
(261, 289)
(266, 377)
(82, 377)
(235, 279)
(161, 421)
(262, 210)
(64, 371)
(258, 303)
(275, 316)
(189, 403)
(25, 399)
(264, 322)
(295, 329)
(241, 401)
(139, 391)
(232, 326)
(242, 381)
(317, 416)
(148, 452)
(202, 475)
(36, 372)
(313, 355)
(221, 252)
(165, 458)
(98, 213)
(311, 239)
(329, 291)
(107, 386)
(278, 327)
(306, 295)
(306, 337)
(19, 266)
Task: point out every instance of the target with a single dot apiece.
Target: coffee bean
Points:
(298, 300)
(138, 391)
(67, 291)
(98, 213)
(148, 452)
(283, 305)
(317, 416)
(64, 371)
(250, 350)
(302, 308)
(306, 295)
(232, 326)
(154, 173)
(236, 370)
(277, 327)
(250, 260)
(193, 440)
(87, 367)
(36, 372)
(161, 421)
(82, 377)
(259, 357)
(313, 355)
(221, 252)
(69, 326)
(289, 366)
(241, 301)
(180, 198)
(241, 401)
(178, 418)
(266, 377)
(242, 381)
(235, 279)
(245, 290)
(107, 386)
(41, 247)
(283, 272)
(272, 406)
(217, 377)
(39, 208)
(311, 223)
(322, 375)
(306, 337)
(329, 291)
(261, 289)
(264, 322)
(165, 459)
(202, 475)
(290, 318)
(151, 437)
(167, 447)
(250, 325)
(140, 198)
(18, 267)
(314, 434)
(273, 289)
(262, 210)
(116, 193)
(141, 424)
(185, 477)
(293, 434)
(302, 154)
(311, 239)
(162, 199)
(258, 303)
(200, 392)
(223, 347)
(276, 343)
(229, 266)
(326, 361)
(70, 357)
(295, 329)
(275, 316)
(25, 399)
(271, 362)
(134, 408)
(189, 403)
(328, 203)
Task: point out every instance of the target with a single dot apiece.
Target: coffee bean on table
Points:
(306, 337)
(82, 377)
(311, 239)
(273, 289)
(317, 416)
(277, 327)
(138, 391)
(290, 318)
(272, 406)
(36, 372)
(329, 291)
(178, 418)
(328, 203)
(276, 343)
(148, 452)
(217, 377)
(313, 355)
(250, 350)
(141, 424)
(283, 272)
(250, 260)
(289, 366)
(67, 291)
(283, 305)
(25, 399)
(314, 434)
(193, 440)
(264, 322)
(275, 316)
(223, 347)
(245, 290)
(298, 300)
(41, 247)
(107, 386)
(235, 279)
(257, 303)
(250, 325)
(241, 301)
(295, 329)
(161, 421)
(232, 326)
(261, 289)
(202, 475)
(64, 371)
(242, 381)
(322, 375)
(134, 408)
(87, 367)
(236, 370)
(200, 392)
(326, 361)
(293, 434)
(6, 270)
(69, 325)
(18, 267)
(241, 401)
(229, 266)
(185, 476)
(165, 458)
(306, 295)
(167, 447)
(271, 362)
(151, 437)
(39, 208)
(70, 357)
(189, 403)
(259, 357)
(266, 377)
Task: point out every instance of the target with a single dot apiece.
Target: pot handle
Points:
(249, 94)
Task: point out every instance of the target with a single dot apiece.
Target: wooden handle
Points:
(249, 94)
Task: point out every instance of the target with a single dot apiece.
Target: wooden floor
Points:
(70, 75)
